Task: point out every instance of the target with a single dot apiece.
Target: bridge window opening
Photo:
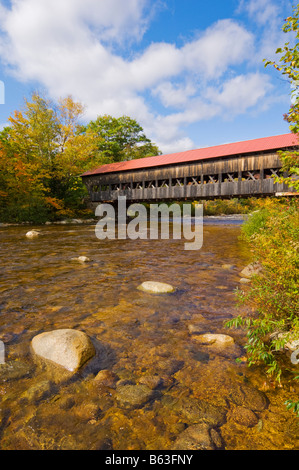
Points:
(163, 184)
(251, 175)
(193, 180)
(179, 182)
(149, 184)
(271, 173)
(230, 177)
(210, 179)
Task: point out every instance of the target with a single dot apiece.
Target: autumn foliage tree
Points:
(288, 65)
(272, 235)
(46, 148)
(42, 154)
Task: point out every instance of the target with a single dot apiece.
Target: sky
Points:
(191, 72)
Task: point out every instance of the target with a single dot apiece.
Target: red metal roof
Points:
(248, 146)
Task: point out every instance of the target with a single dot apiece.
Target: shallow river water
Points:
(161, 389)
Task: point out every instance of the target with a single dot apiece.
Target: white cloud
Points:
(263, 11)
(240, 93)
(224, 44)
(70, 47)
(178, 145)
(268, 16)
(58, 20)
(174, 95)
(158, 62)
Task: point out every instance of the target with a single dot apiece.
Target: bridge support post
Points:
(219, 183)
(239, 181)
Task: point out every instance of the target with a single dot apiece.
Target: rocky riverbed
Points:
(148, 369)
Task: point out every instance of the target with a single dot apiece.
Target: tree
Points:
(289, 67)
(22, 191)
(272, 235)
(45, 149)
(121, 139)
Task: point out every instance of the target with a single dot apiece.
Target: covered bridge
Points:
(240, 169)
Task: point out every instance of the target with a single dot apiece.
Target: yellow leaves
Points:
(70, 113)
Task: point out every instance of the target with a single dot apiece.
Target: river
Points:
(187, 395)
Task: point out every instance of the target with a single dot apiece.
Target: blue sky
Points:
(190, 72)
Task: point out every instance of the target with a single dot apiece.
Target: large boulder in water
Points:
(67, 348)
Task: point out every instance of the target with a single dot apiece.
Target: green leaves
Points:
(272, 235)
(120, 139)
(293, 406)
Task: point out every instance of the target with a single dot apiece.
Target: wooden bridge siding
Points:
(209, 191)
(227, 165)
(219, 168)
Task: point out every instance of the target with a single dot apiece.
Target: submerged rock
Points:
(248, 397)
(228, 266)
(195, 328)
(66, 403)
(218, 344)
(134, 396)
(156, 287)
(14, 370)
(38, 392)
(195, 437)
(197, 411)
(106, 378)
(243, 416)
(151, 381)
(67, 348)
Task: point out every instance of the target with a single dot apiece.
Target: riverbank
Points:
(207, 218)
(57, 222)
